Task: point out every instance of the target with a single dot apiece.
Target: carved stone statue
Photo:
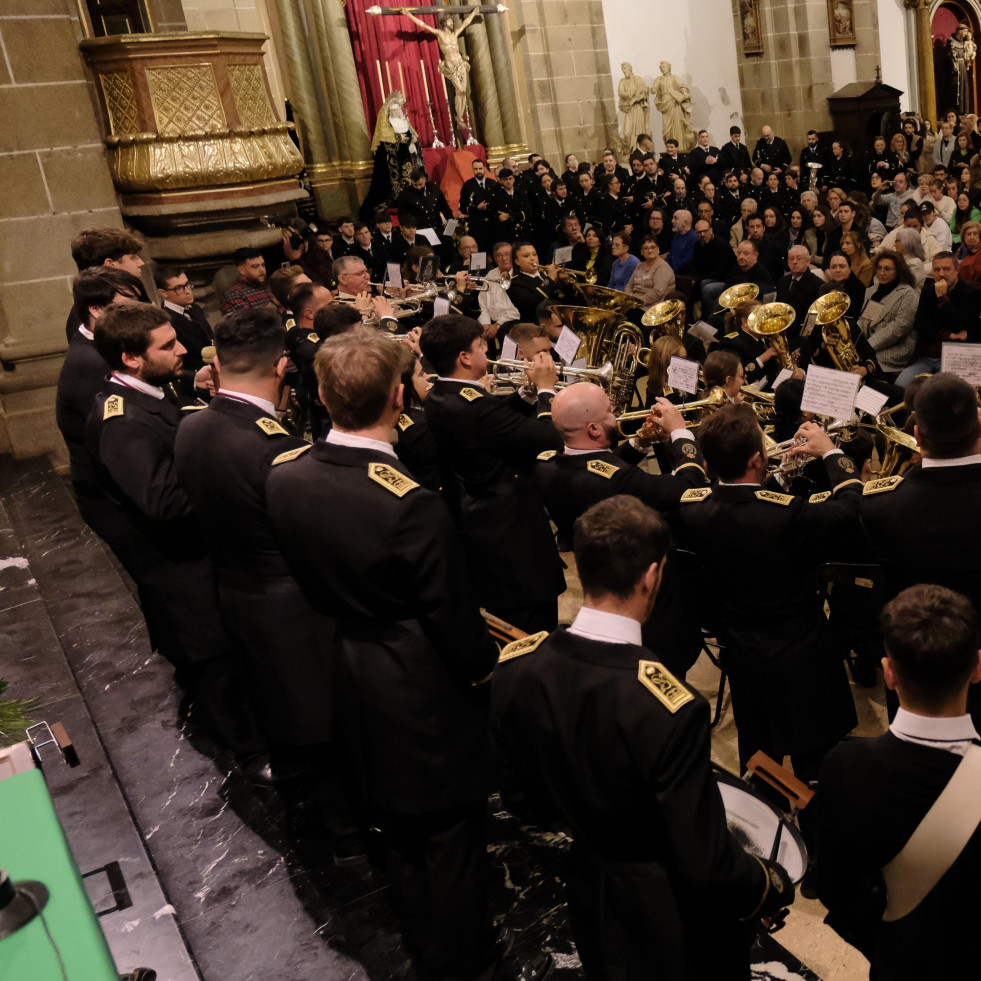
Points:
(673, 101)
(957, 47)
(455, 65)
(634, 103)
(395, 147)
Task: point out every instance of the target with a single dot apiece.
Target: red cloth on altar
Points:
(449, 168)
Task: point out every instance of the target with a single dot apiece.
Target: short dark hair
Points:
(624, 237)
(280, 283)
(96, 287)
(357, 371)
(335, 319)
(615, 542)
(671, 143)
(644, 136)
(125, 328)
(162, 275)
(947, 416)
(931, 636)
(242, 255)
(408, 364)
(300, 296)
(408, 219)
(735, 129)
(249, 339)
(729, 438)
(418, 174)
(504, 173)
(544, 310)
(445, 338)
(717, 369)
(812, 132)
(92, 246)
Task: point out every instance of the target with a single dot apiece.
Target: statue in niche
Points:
(958, 49)
(673, 101)
(634, 103)
(455, 66)
(395, 147)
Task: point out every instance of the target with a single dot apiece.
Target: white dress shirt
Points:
(952, 734)
(611, 628)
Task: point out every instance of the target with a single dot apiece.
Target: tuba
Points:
(768, 323)
(669, 315)
(603, 298)
(836, 334)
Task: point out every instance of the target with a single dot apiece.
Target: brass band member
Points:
(591, 730)
(790, 694)
(723, 369)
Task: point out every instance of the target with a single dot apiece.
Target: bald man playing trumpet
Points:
(592, 467)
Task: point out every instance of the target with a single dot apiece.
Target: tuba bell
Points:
(603, 298)
(836, 334)
(737, 295)
(768, 323)
(899, 454)
(668, 315)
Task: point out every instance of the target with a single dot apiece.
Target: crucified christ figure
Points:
(454, 65)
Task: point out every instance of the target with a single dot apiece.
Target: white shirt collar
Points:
(360, 442)
(959, 461)
(85, 332)
(573, 451)
(130, 381)
(177, 309)
(263, 404)
(953, 734)
(460, 381)
(611, 628)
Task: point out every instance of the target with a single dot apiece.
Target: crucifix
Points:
(455, 65)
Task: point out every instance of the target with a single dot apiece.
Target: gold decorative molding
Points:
(249, 93)
(124, 112)
(185, 100)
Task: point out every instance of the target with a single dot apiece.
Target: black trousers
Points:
(438, 871)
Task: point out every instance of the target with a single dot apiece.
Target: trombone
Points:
(715, 399)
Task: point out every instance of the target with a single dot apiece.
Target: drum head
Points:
(760, 828)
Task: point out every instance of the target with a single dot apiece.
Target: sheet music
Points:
(829, 392)
(683, 374)
(567, 345)
(963, 360)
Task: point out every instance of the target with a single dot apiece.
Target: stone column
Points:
(924, 58)
(341, 79)
(504, 77)
(487, 99)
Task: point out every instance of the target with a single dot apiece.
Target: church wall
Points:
(898, 59)
(561, 49)
(698, 42)
(55, 183)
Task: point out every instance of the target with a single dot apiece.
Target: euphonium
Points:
(762, 403)
(666, 317)
(899, 452)
(737, 295)
(589, 276)
(835, 332)
(768, 323)
(702, 408)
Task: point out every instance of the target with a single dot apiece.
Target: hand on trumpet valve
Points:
(816, 441)
(362, 303)
(551, 270)
(382, 306)
(412, 340)
(543, 372)
(667, 415)
(462, 280)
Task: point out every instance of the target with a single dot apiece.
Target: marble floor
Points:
(215, 889)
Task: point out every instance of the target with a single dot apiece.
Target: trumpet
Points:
(475, 282)
(516, 375)
(715, 399)
(588, 276)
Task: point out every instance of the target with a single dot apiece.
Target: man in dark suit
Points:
(790, 694)
(488, 450)
(223, 456)
(812, 153)
(189, 320)
(800, 288)
(425, 201)
(874, 795)
(130, 435)
(510, 210)
(734, 155)
(924, 526)
(593, 732)
(704, 159)
(389, 567)
(476, 202)
(771, 153)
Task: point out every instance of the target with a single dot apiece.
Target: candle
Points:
(381, 83)
(402, 81)
(425, 81)
(388, 73)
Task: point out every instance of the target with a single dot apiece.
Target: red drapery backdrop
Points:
(394, 48)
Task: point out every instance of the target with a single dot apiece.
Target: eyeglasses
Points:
(179, 288)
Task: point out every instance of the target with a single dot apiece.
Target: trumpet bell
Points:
(770, 319)
(738, 294)
(830, 307)
(603, 298)
(663, 313)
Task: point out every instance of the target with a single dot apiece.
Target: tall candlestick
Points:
(381, 82)
(388, 74)
(437, 142)
(402, 81)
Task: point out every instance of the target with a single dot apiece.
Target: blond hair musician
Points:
(662, 351)
(593, 732)
(790, 694)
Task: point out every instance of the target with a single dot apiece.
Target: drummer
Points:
(591, 731)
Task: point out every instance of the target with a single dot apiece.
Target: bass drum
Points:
(761, 828)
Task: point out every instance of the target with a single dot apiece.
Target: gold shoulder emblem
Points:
(658, 680)
(290, 323)
(881, 485)
(546, 455)
(471, 393)
(524, 646)
(818, 498)
(291, 454)
(695, 494)
(113, 407)
(313, 338)
(270, 427)
(734, 333)
(391, 479)
(774, 498)
(193, 408)
(602, 468)
(404, 422)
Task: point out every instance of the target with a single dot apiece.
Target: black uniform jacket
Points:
(223, 456)
(526, 292)
(925, 527)
(488, 452)
(761, 551)
(130, 436)
(416, 448)
(379, 553)
(580, 739)
(194, 332)
(871, 796)
(82, 376)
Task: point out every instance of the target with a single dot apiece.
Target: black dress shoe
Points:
(256, 770)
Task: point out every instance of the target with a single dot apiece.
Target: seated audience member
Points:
(250, 289)
(653, 278)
